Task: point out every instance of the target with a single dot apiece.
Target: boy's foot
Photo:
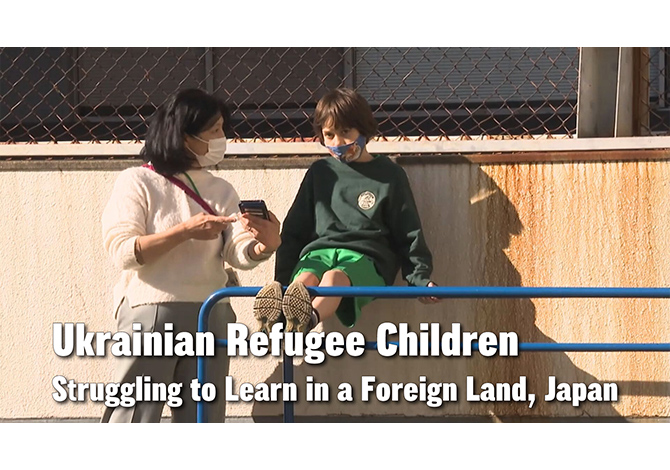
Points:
(297, 307)
(268, 306)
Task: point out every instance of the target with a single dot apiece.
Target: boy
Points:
(353, 222)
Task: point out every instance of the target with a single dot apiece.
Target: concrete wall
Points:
(531, 224)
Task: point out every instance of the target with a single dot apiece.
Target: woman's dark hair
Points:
(344, 108)
(187, 112)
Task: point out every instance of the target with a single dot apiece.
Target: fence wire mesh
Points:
(659, 92)
(107, 94)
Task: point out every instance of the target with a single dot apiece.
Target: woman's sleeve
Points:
(236, 248)
(124, 220)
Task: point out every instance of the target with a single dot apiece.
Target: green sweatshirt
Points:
(365, 207)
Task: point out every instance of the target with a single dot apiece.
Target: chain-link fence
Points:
(107, 94)
(659, 91)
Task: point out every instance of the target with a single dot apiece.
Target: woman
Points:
(170, 225)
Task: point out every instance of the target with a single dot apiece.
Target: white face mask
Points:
(216, 149)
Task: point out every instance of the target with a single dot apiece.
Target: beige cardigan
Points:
(144, 202)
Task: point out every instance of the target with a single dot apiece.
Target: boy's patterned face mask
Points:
(349, 152)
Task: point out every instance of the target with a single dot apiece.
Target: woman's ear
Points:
(189, 141)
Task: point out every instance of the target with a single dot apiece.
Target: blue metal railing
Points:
(444, 292)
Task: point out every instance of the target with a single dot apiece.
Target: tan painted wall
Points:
(568, 224)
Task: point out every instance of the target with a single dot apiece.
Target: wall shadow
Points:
(518, 315)
(468, 227)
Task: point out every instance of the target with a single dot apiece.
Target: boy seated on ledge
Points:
(354, 222)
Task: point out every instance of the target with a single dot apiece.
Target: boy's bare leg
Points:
(326, 306)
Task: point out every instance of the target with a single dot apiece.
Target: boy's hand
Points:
(430, 300)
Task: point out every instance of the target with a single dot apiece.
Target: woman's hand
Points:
(266, 232)
(430, 300)
(199, 227)
(205, 226)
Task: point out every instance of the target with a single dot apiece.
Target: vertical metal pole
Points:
(76, 77)
(203, 324)
(287, 368)
(349, 70)
(597, 91)
(606, 94)
(209, 70)
(641, 91)
(663, 75)
(625, 93)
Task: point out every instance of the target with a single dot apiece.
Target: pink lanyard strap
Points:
(184, 188)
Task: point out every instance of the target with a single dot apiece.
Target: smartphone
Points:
(255, 207)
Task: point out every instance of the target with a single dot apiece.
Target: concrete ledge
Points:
(391, 145)
(290, 162)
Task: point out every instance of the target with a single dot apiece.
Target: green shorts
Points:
(359, 269)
